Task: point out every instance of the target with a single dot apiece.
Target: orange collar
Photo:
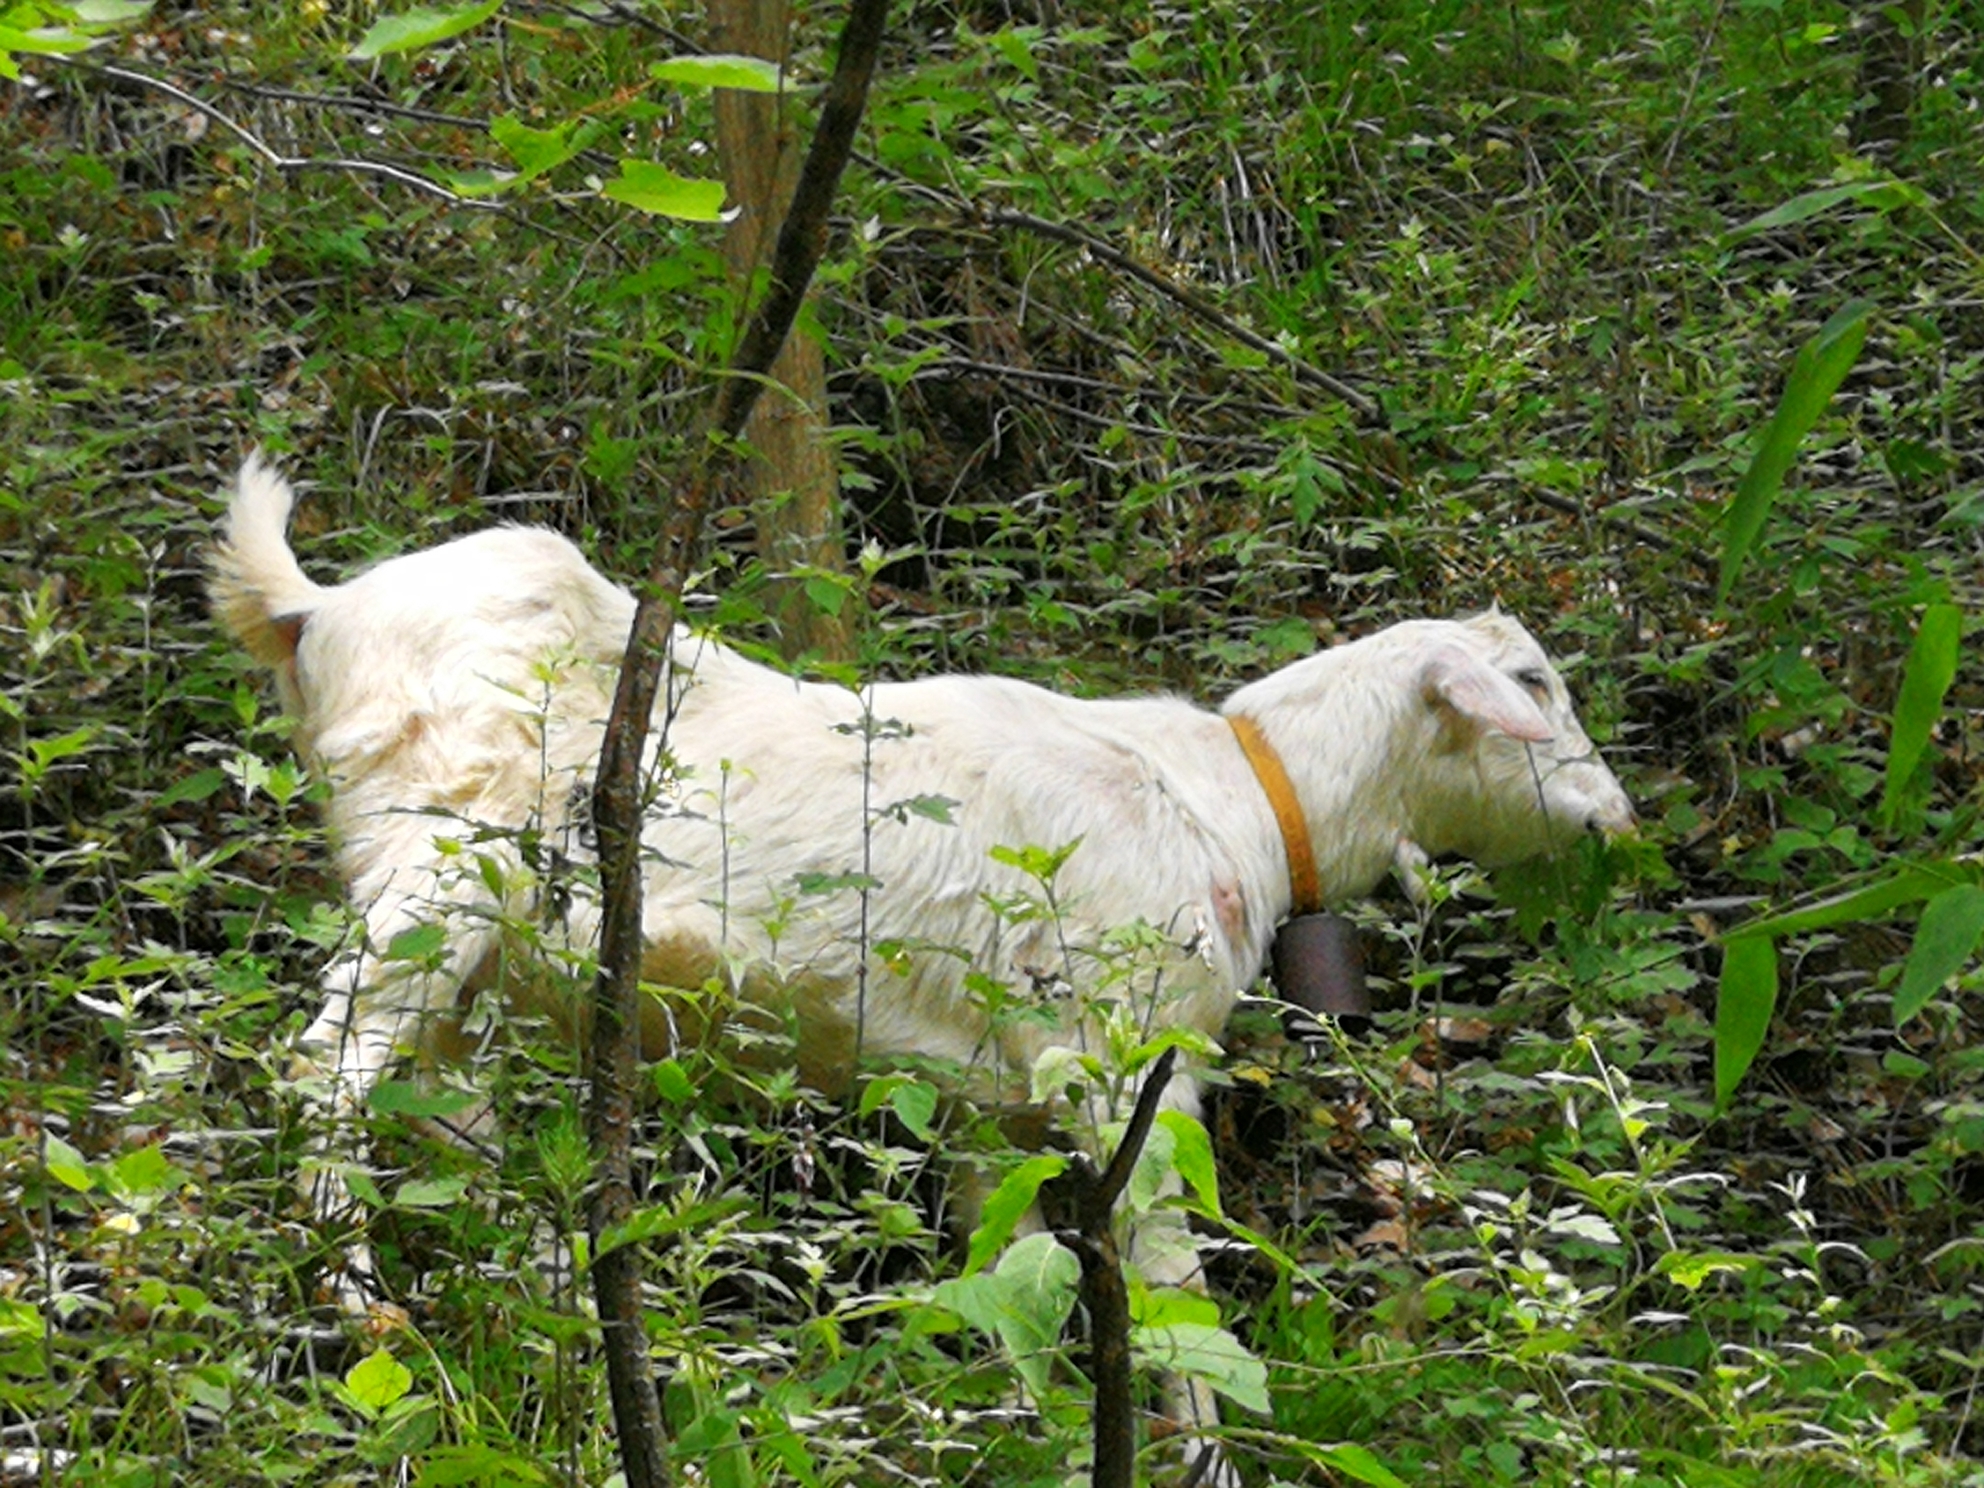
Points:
(1302, 880)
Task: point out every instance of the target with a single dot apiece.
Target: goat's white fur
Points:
(471, 680)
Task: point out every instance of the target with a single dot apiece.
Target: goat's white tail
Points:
(258, 591)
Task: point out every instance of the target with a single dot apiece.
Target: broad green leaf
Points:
(538, 150)
(828, 595)
(1040, 1273)
(21, 1322)
(430, 1193)
(377, 1380)
(672, 1082)
(1932, 663)
(144, 1170)
(1017, 48)
(47, 752)
(108, 12)
(67, 1166)
(39, 41)
(1883, 195)
(446, 1464)
(1024, 1304)
(421, 27)
(1816, 372)
(1901, 886)
(410, 1098)
(1742, 1009)
(915, 1104)
(1007, 1204)
(648, 187)
(1945, 940)
(719, 70)
(933, 808)
(1211, 1354)
(1287, 640)
(1191, 1155)
(195, 787)
(417, 944)
(1359, 1464)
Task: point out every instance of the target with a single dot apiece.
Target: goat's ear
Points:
(1457, 679)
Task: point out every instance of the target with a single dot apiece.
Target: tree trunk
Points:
(790, 479)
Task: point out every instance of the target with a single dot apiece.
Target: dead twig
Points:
(290, 164)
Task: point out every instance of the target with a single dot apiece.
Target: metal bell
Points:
(1319, 966)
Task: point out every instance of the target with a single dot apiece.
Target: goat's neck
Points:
(1349, 763)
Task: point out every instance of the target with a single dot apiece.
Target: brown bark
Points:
(1086, 1200)
(617, 796)
(790, 479)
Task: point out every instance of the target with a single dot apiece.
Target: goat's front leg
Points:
(381, 996)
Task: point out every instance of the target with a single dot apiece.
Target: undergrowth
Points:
(1504, 1235)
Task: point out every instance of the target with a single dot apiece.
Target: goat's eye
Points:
(1536, 680)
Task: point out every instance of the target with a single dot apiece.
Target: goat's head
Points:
(1509, 773)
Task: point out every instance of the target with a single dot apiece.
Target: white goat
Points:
(463, 688)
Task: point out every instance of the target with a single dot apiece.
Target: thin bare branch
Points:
(289, 164)
(1188, 300)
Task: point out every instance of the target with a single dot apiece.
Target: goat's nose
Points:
(1613, 821)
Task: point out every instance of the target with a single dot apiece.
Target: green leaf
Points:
(410, 1098)
(1945, 940)
(67, 1166)
(142, 1171)
(1017, 48)
(653, 188)
(1191, 1155)
(47, 752)
(719, 70)
(658, 1220)
(1742, 1009)
(421, 27)
(39, 41)
(108, 12)
(1932, 663)
(1288, 639)
(1901, 886)
(827, 595)
(1695, 1271)
(932, 808)
(430, 1193)
(672, 1082)
(1038, 863)
(1884, 195)
(1817, 371)
(538, 150)
(915, 1103)
(195, 787)
(1211, 1354)
(377, 1380)
(417, 944)
(1007, 1204)
(1359, 1464)
(1024, 1304)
